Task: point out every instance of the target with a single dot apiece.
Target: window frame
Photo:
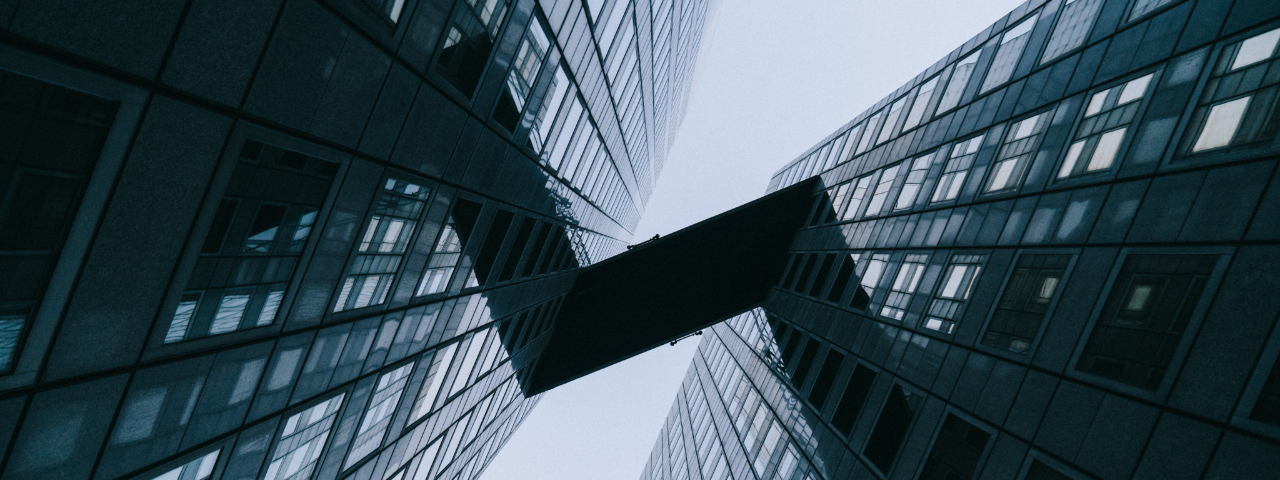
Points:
(220, 180)
(1265, 365)
(1131, 130)
(1048, 315)
(935, 293)
(992, 432)
(1162, 390)
(1175, 157)
(1036, 149)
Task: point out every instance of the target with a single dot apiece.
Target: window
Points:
(1239, 105)
(545, 117)
(854, 396)
(449, 246)
(611, 25)
(959, 79)
(887, 176)
(1143, 7)
(904, 286)
(462, 377)
(805, 363)
(469, 42)
(956, 287)
(956, 451)
(839, 197)
(826, 376)
(1106, 121)
(1028, 294)
(1039, 470)
(891, 429)
(391, 9)
(875, 268)
(1267, 407)
(490, 248)
(1143, 319)
(855, 198)
(1074, 25)
(1015, 154)
(891, 120)
(198, 469)
(767, 447)
(824, 272)
(1007, 54)
(524, 70)
(303, 440)
(957, 169)
(386, 397)
(872, 124)
(921, 102)
(915, 178)
(53, 139)
(254, 242)
(383, 245)
(842, 278)
(440, 362)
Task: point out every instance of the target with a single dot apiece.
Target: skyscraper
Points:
(300, 239)
(1051, 255)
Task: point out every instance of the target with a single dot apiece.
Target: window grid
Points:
(1107, 117)
(1016, 153)
(955, 289)
(904, 286)
(957, 169)
(1239, 105)
(383, 245)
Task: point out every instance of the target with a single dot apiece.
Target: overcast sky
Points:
(776, 77)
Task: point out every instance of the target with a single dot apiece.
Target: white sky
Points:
(778, 76)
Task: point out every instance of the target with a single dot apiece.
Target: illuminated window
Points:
(887, 176)
(1074, 25)
(1239, 105)
(448, 248)
(383, 244)
(955, 289)
(915, 178)
(1016, 153)
(1107, 118)
(386, 397)
(904, 286)
(959, 79)
(957, 169)
(921, 102)
(303, 440)
(524, 70)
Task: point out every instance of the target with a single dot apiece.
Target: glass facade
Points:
(1060, 268)
(314, 239)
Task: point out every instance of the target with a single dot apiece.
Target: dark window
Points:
(1267, 408)
(255, 240)
(1239, 105)
(1035, 281)
(489, 250)
(810, 261)
(524, 70)
(789, 273)
(383, 245)
(823, 272)
(956, 451)
(820, 207)
(891, 429)
(826, 376)
(50, 142)
(1143, 319)
(805, 363)
(842, 278)
(855, 394)
(1041, 471)
(517, 249)
(789, 350)
(536, 253)
(469, 42)
(448, 249)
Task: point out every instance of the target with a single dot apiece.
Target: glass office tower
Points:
(299, 239)
(1051, 255)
